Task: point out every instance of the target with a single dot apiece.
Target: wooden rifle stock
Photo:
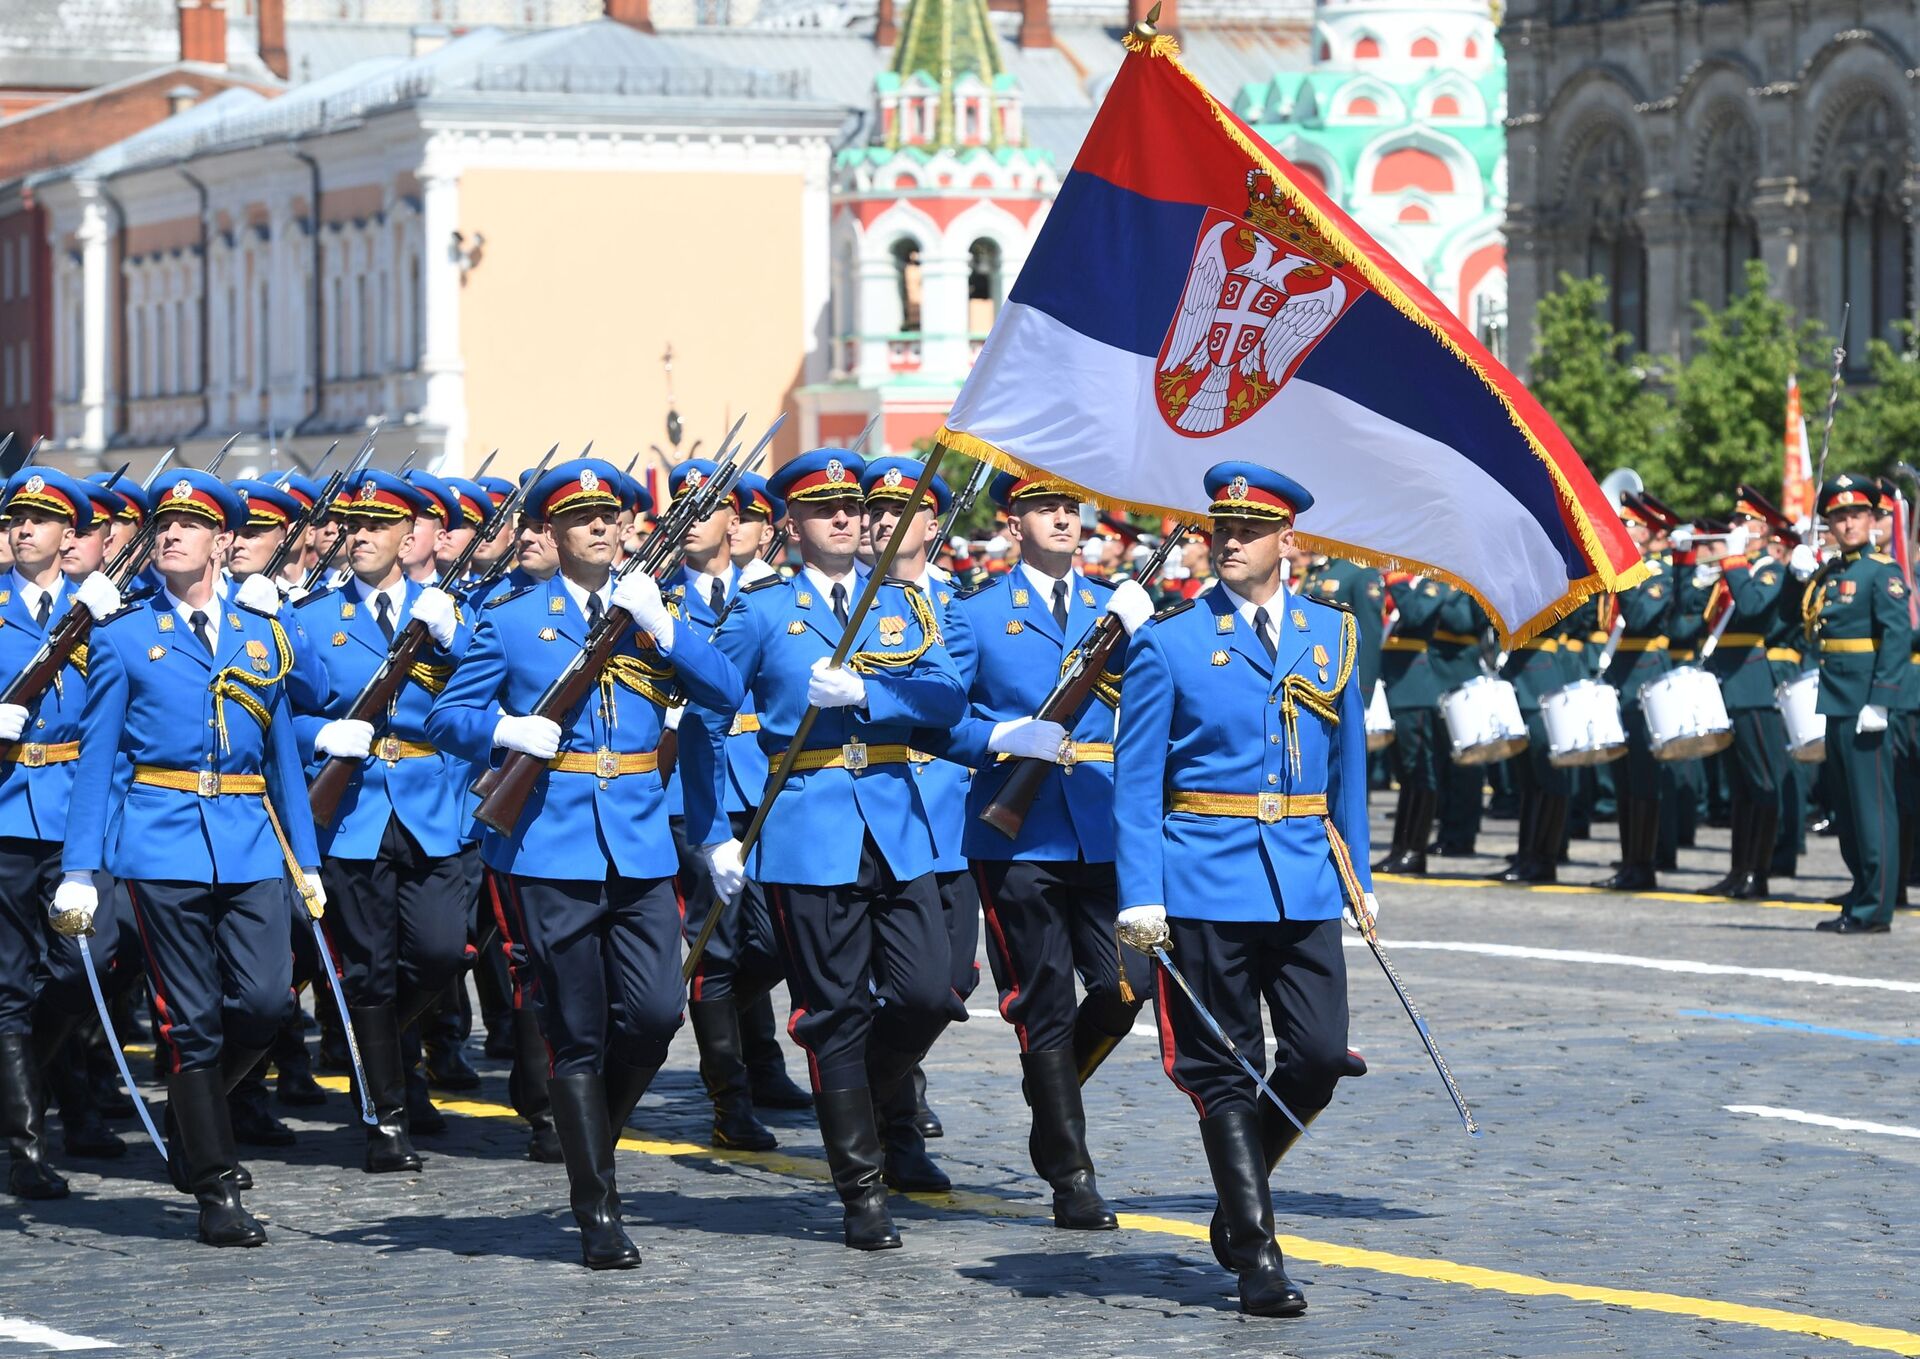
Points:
(1007, 813)
(68, 634)
(330, 784)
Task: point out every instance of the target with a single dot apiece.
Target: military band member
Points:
(848, 854)
(43, 989)
(589, 867)
(187, 729)
(1362, 591)
(1640, 657)
(1413, 696)
(1243, 706)
(1855, 614)
(1453, 652)
(1535, 668)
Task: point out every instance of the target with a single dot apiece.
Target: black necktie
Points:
(717, 597)
(1060, 604)
(840, 604)
(198, 624)
(383, 614)
(1263, 629)
(594, 611)
(44, 609)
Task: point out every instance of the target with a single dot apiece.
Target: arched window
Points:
(1444, 106)
(1326, 51)
(906, 267)
(1367, 49)
(181, 347)
(1362, 107)
(983, 285)
(233, 332)
(1425, 47)
(1864, 169)
(415, 339)
(1472, 50)
(1731, 163)
(1607, 182)
(265, 343)
(1409, 167)
(1415, 212)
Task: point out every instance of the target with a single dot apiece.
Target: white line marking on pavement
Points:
(17, 1332)
(1823, 1120)
(1560, 955)
(1139, 1030)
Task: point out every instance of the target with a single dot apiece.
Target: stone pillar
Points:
(441, 365)
(1667, 293)
(944, 352)
(1778, 206)
(878, 315)
(816, 268)
(97, 322)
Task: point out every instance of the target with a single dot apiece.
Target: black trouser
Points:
(220, 962)
(867, 962)
(1462, 791)
(607, 955)
(1046, 923)
(397, 924)
(36, 964)
(742, 957)
(1638, 775)
(1300, 970)
(960, 905)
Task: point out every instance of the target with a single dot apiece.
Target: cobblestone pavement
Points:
(1616, 1206)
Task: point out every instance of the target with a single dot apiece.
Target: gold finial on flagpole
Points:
(1145, 28)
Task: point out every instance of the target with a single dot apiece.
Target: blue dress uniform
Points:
(43, 988)
(1645, 612)
(1250, 721)
(847, 854)
(1049, 893)
(1855, 612)
(397, 884)
(588, 869)
(1412, 695)
(179, 744)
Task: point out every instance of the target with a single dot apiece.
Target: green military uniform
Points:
(1748, 595)
(1786, 658)
(1412, 693)
(1536, 668)
(1683, 783)
(1855, 615)
(1453, 653)
(1334, 580)
(1581, 642)
(1645, 612)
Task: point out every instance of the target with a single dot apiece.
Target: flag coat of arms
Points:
(1192, 298)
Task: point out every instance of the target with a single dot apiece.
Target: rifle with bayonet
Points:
(318, 509)
(1007, 812)
(970, 492)
(378, 696)
(505, 789)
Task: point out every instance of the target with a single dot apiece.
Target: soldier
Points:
(187, 728)
(1855, 612)
(1361, 591)
(1049, 892)
(1244, 866)
(847, 855)
(128, 515)
(1453, 652)
(589, 866)
(43, 989)
(1641, 656)
(1412, 695)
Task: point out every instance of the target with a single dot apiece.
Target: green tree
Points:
(1591, 384)
(1878, 424)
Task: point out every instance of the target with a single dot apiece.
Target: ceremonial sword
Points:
(113, 1045)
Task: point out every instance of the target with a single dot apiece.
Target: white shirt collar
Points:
(29, 593)
(703, 583)
(579, 594)
(186, 612)
(1276, 607)
(824, 583)
(1044, 583)
(396, 594)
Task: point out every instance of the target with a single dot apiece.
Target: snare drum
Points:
(1583, 724)
(1483, 720)
(1798, 700)
(1686, 716)
(1379, 720)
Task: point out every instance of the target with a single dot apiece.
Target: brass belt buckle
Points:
(34, 756)
(209, 785)
(1069, 755)
(606, 764)
(1273, 806)
(388, 749)
(855, 755)
(734, 730)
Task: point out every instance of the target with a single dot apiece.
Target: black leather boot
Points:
(1639, 834)
(716, 1029)
(197, 1112)
(1094, 1042)
(908, 1167)
(853, 1153)
(924, 1118)
(1740, 863)
(1762, 830)
(527, 1087)
(295, 1084)
(626, 1082)
(766, 1062)
(1058, 1142)
(1398, 848)
(390, 1140)
(251, 1116)
(23, 1122)
(1277, 1137)
(61, 1060)
(586, 1138)
(1237, 1159)
(1421, 804)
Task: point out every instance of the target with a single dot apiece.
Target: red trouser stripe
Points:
(1012, 993)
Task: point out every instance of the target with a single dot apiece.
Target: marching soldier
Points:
(392, 865)
(1453, 652)
(1855, 613)
(1049, 893)
(848, 853)
(43, 988)
(1244, 708)
(188, 751)
(1362, 592)
(588, 868)
(1641, 656)
(1535, 668)
(1412, 695)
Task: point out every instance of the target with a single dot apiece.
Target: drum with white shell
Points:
(1483, 721)
(1583, 724)
(1686, 716)
(1799, 700)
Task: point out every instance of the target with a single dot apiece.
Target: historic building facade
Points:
(1662, 146)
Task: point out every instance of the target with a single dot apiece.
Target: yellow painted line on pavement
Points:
(1883, 1338)
(1579, 890)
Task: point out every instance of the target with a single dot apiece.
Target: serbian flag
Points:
(1193, 298)
(1796, 484)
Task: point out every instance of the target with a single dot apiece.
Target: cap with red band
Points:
(819, 474)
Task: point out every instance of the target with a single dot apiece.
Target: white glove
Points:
(259, 594)
(1802, 562)
(1028, 738)
(1737, 540)
(437, 611)
(13, 721)
(535, 736)
(313, 892)
(756, 570)
(671, 718)
(831, 688)
(639, 594)
(74, 902)
(723, 862)
(1705, 575)
(1130, 604)
(99, 594)
(1373, 910)
(1872, 718)
(1681, 538)
(1143, 927)
(344, 739)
